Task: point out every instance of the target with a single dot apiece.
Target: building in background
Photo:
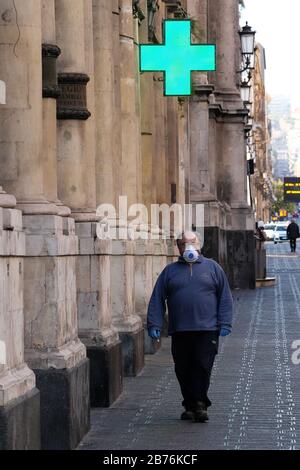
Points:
(261, 181)
(280, 109)
(80, 128)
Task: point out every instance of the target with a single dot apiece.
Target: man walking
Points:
(292, 234)
(200, 308)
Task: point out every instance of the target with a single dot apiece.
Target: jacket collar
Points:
(182, 260)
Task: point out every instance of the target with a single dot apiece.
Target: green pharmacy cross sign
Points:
(177, 57)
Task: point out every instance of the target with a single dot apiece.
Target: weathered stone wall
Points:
(19, 398)
(75, 295)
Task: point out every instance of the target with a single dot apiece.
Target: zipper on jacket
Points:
(191, 269)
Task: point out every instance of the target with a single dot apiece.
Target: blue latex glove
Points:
(224, 332)
(154, 333)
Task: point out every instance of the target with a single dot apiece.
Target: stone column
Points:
(148, 126)
(107, 187)
(240, 230)
(143, 260)
(50, 52)
(52, 347)
(184, 152)
(160, 252)
(128, 324)
(231, 170)
(131, 158)
(22, 162)
(125, 319)
(143, 269)
(76, 162)
(19, 397)
(93, 264)
(223, 28)
(202, 160)
(160, 153)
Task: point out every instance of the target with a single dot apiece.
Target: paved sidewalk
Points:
(255, 386)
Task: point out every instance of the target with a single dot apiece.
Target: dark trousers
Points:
(293, 243)
(194, 354)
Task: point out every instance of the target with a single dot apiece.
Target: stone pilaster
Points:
(19, 397)
(95, 315)
(52, 348)
(225, 34)
(117, 121)
(23, 167)
(131, 158)
(160, 258)
(76, 161)
(160, 153)
(107, 190)
(147, 92)
(240, 223)
(94, 289)
(125, 319)
(50, 53)
(143, 268)
(202, 158)
(229, 114)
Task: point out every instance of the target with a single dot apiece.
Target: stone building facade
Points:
(261, 181)
(82, 127)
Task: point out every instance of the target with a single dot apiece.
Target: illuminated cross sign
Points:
(177, 58)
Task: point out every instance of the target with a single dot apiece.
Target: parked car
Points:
(270, 231)
(280, 233)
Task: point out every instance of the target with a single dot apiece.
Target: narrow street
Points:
(255, 385)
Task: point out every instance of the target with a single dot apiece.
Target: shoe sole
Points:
(188, 416)
(200, 418)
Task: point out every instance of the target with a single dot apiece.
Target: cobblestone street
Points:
(255, 386)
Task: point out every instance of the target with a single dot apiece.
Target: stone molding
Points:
(50, 235)
(72, 102)
(50, 53)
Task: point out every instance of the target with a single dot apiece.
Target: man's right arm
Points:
(157, 304)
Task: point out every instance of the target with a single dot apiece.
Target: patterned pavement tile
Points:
(254, 389)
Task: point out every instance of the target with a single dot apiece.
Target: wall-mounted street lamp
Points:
(247, 45)
(137, 11)
(153, 8)
(245, 92)
(247, 37)
(249, 107)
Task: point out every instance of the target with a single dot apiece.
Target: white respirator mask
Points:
(190, 254)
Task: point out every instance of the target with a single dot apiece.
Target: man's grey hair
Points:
(188, 233)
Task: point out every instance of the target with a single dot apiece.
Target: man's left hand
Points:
(224, 332)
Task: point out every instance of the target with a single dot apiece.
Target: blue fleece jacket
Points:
(198, 297)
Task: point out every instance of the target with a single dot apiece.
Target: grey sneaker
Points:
(187, 416)
(200, 413)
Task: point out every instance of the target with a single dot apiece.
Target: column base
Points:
(132, 352)
(241, 259)
(260, 264)
(20, 423)
(65, 406)
(215, 245)
(106, 380)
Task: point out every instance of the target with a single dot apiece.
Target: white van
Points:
(280, 233)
